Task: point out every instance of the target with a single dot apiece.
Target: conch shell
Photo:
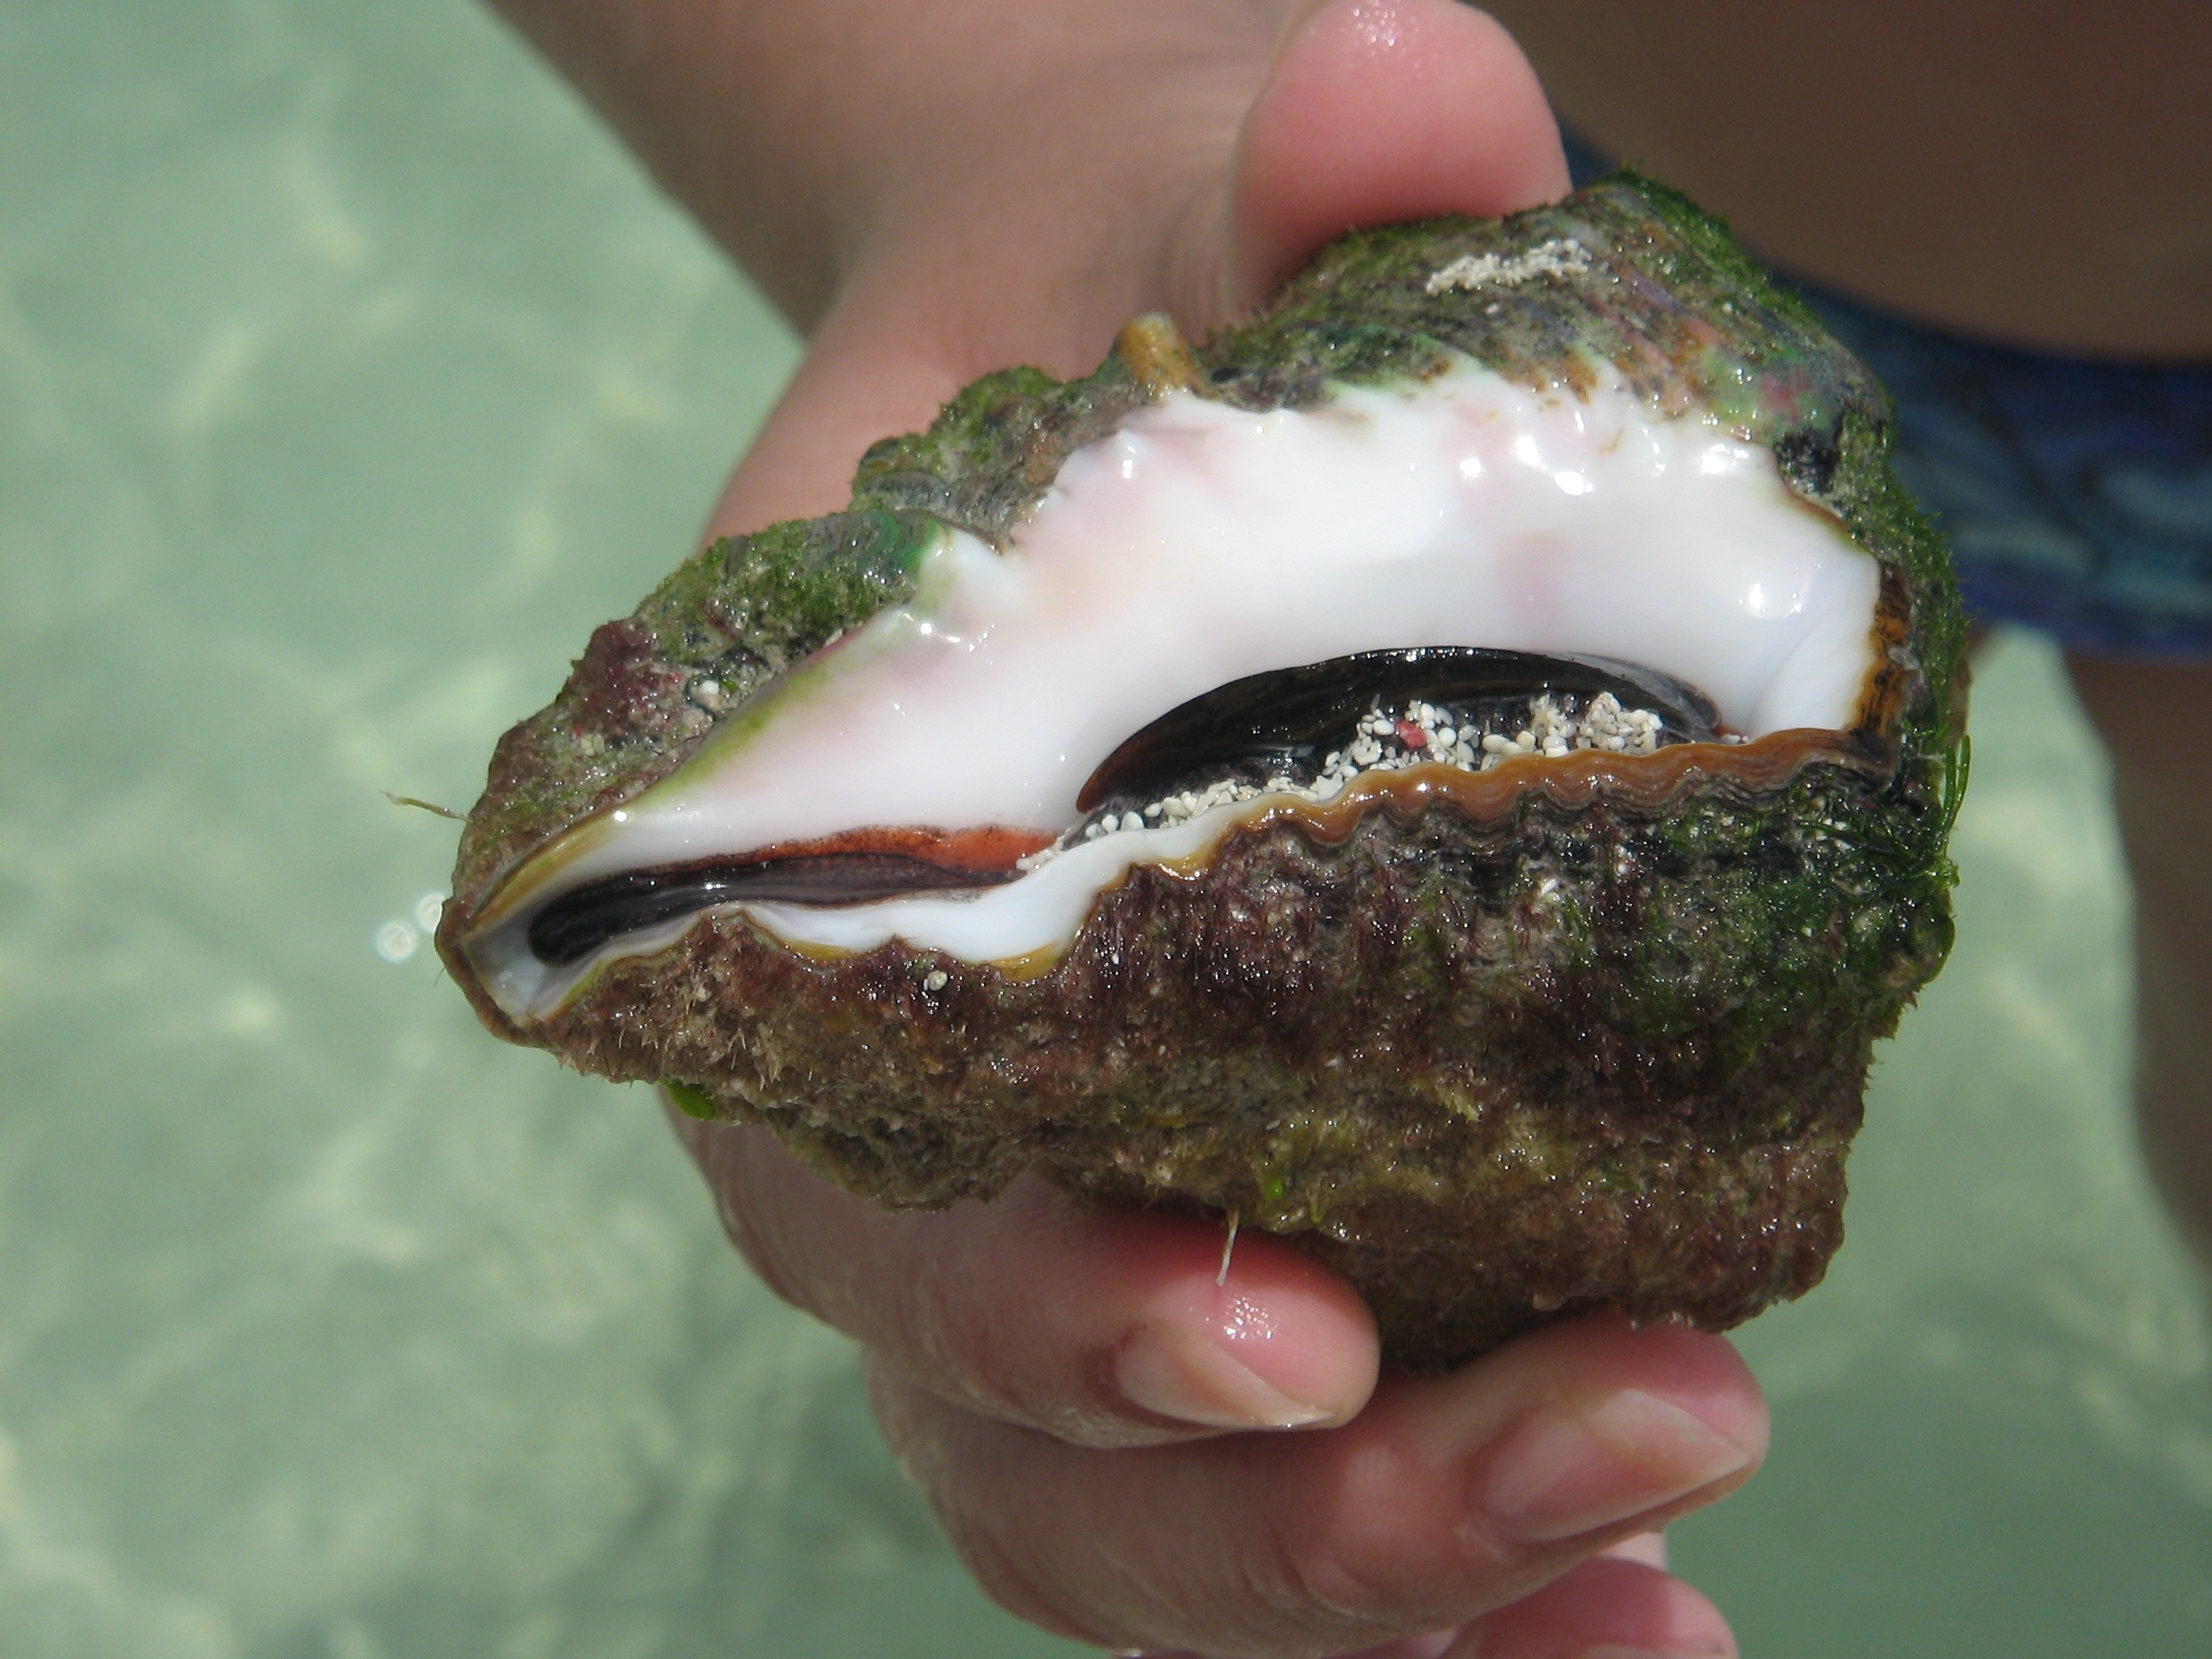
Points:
(1456, 771)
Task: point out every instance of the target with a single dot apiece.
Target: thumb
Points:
(1379, 111)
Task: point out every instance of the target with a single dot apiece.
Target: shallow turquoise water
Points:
(348, 376)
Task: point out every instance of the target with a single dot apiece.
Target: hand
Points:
(1123, 1448)
(1067, 1383)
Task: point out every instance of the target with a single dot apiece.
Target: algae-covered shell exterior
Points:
(1572, 1024)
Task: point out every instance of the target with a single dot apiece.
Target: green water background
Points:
(348, 376)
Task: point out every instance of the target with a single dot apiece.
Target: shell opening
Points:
(1454, 524)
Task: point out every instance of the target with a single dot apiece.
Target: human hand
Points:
(1125, 1447)
(1068, 1382)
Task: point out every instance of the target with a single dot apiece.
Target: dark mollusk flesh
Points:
(1267, 725)
(1280, 723)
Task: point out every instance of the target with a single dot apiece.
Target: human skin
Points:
(2021, 170)
(2163, 789)
(2029, 171)
(930, 193)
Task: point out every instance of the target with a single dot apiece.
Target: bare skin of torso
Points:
(2035, 172)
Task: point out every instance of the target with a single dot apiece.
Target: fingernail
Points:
(1174, 1371)
(1579, 1466)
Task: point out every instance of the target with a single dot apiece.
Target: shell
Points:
(1571, 1032)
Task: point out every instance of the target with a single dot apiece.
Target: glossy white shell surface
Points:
(1199, 543)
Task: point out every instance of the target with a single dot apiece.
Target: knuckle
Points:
(1321, 1575)
(1010, 1559)
(1378, 1555)
(999, 1362)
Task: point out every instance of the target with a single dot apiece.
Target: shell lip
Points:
(457, 926)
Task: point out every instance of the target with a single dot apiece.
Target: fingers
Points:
(1378, 111)
(1446, 1499)
(1105, 1328)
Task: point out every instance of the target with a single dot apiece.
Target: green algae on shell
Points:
(1584, 1029)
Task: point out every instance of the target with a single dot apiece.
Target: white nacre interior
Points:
(1199, 543)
